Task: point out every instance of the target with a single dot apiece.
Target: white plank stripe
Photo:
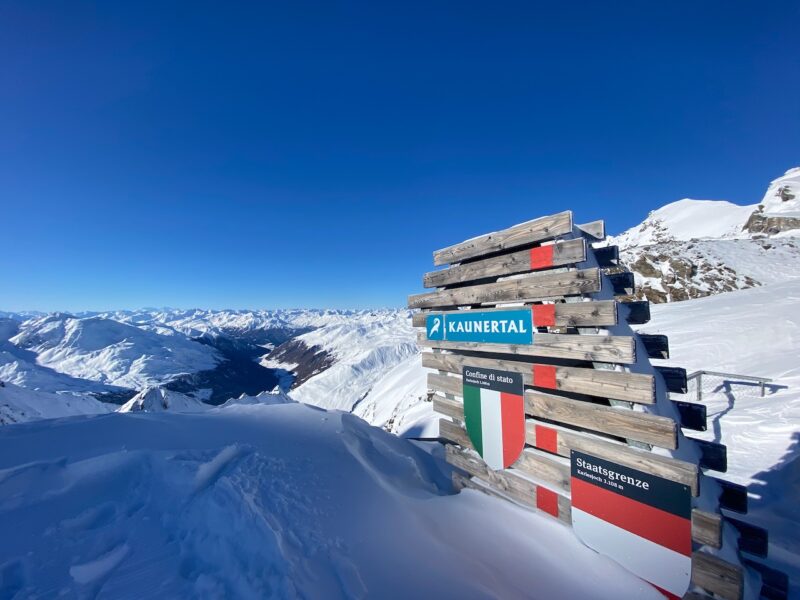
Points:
(661, 566)
(492, 429)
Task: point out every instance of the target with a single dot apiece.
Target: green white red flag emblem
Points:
(494, 414)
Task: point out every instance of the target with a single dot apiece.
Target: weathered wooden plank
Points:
(548, 468)
(707, 528)
(561, 440)
(595, 229)
(717, 576)
(549, 502)
(568, 252)
(451, 408)
(536, 286)
(601, 348)
(560, 314)
(622, 422)
(617, 421)
(537, 230)
(632, 387)
(507, 481)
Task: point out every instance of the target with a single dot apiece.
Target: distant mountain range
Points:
(364, 362)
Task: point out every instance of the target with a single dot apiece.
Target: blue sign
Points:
(513, 326)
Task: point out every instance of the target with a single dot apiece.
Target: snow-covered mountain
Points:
(159, 399)
(348, 358)
(154, 359)
(694, 248)
(18, 405)
(276, 396)
(111, 352)
(195, 504)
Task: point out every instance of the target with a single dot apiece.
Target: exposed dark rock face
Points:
(672, 271)
(770, 224)
(238, 374)
(309, 361)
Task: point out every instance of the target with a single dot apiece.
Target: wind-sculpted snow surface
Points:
(286, 501)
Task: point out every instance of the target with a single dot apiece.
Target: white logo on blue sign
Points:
(498, 327)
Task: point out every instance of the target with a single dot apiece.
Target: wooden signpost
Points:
(548, 399)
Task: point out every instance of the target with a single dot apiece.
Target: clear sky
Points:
(280, 154)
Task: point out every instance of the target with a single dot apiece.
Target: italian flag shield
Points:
(494, 414)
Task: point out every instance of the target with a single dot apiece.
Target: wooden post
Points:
(699, 386)
(763, 389)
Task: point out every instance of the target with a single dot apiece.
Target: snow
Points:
(18, 405)
(685, 220)
(157, 399)
(398, 401)
(789, 184)
(266, 501)
(111, 352)
(365, 350)
(99, 567)
(689, 219)
(276, 396)
(752, 332)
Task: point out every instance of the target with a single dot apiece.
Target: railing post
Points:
(699, 386)
(763, 390)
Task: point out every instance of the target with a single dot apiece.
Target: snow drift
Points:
(286, 501)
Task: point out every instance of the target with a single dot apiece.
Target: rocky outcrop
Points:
(760, 223)
(694, 248)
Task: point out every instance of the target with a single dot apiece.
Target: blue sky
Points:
(230, 155)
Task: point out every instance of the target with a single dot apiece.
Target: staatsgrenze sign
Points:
(640, 520)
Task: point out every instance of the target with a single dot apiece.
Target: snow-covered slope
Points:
(686, 220)
(18, 405)
(695, 248)
(276, 396)
(360, 352)
(159, 399)
(752, 332)
(783, 195)
(254, 502)
(111, 352)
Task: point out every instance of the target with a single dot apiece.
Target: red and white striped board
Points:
(642, 521)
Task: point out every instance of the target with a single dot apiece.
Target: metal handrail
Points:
(699, 375)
